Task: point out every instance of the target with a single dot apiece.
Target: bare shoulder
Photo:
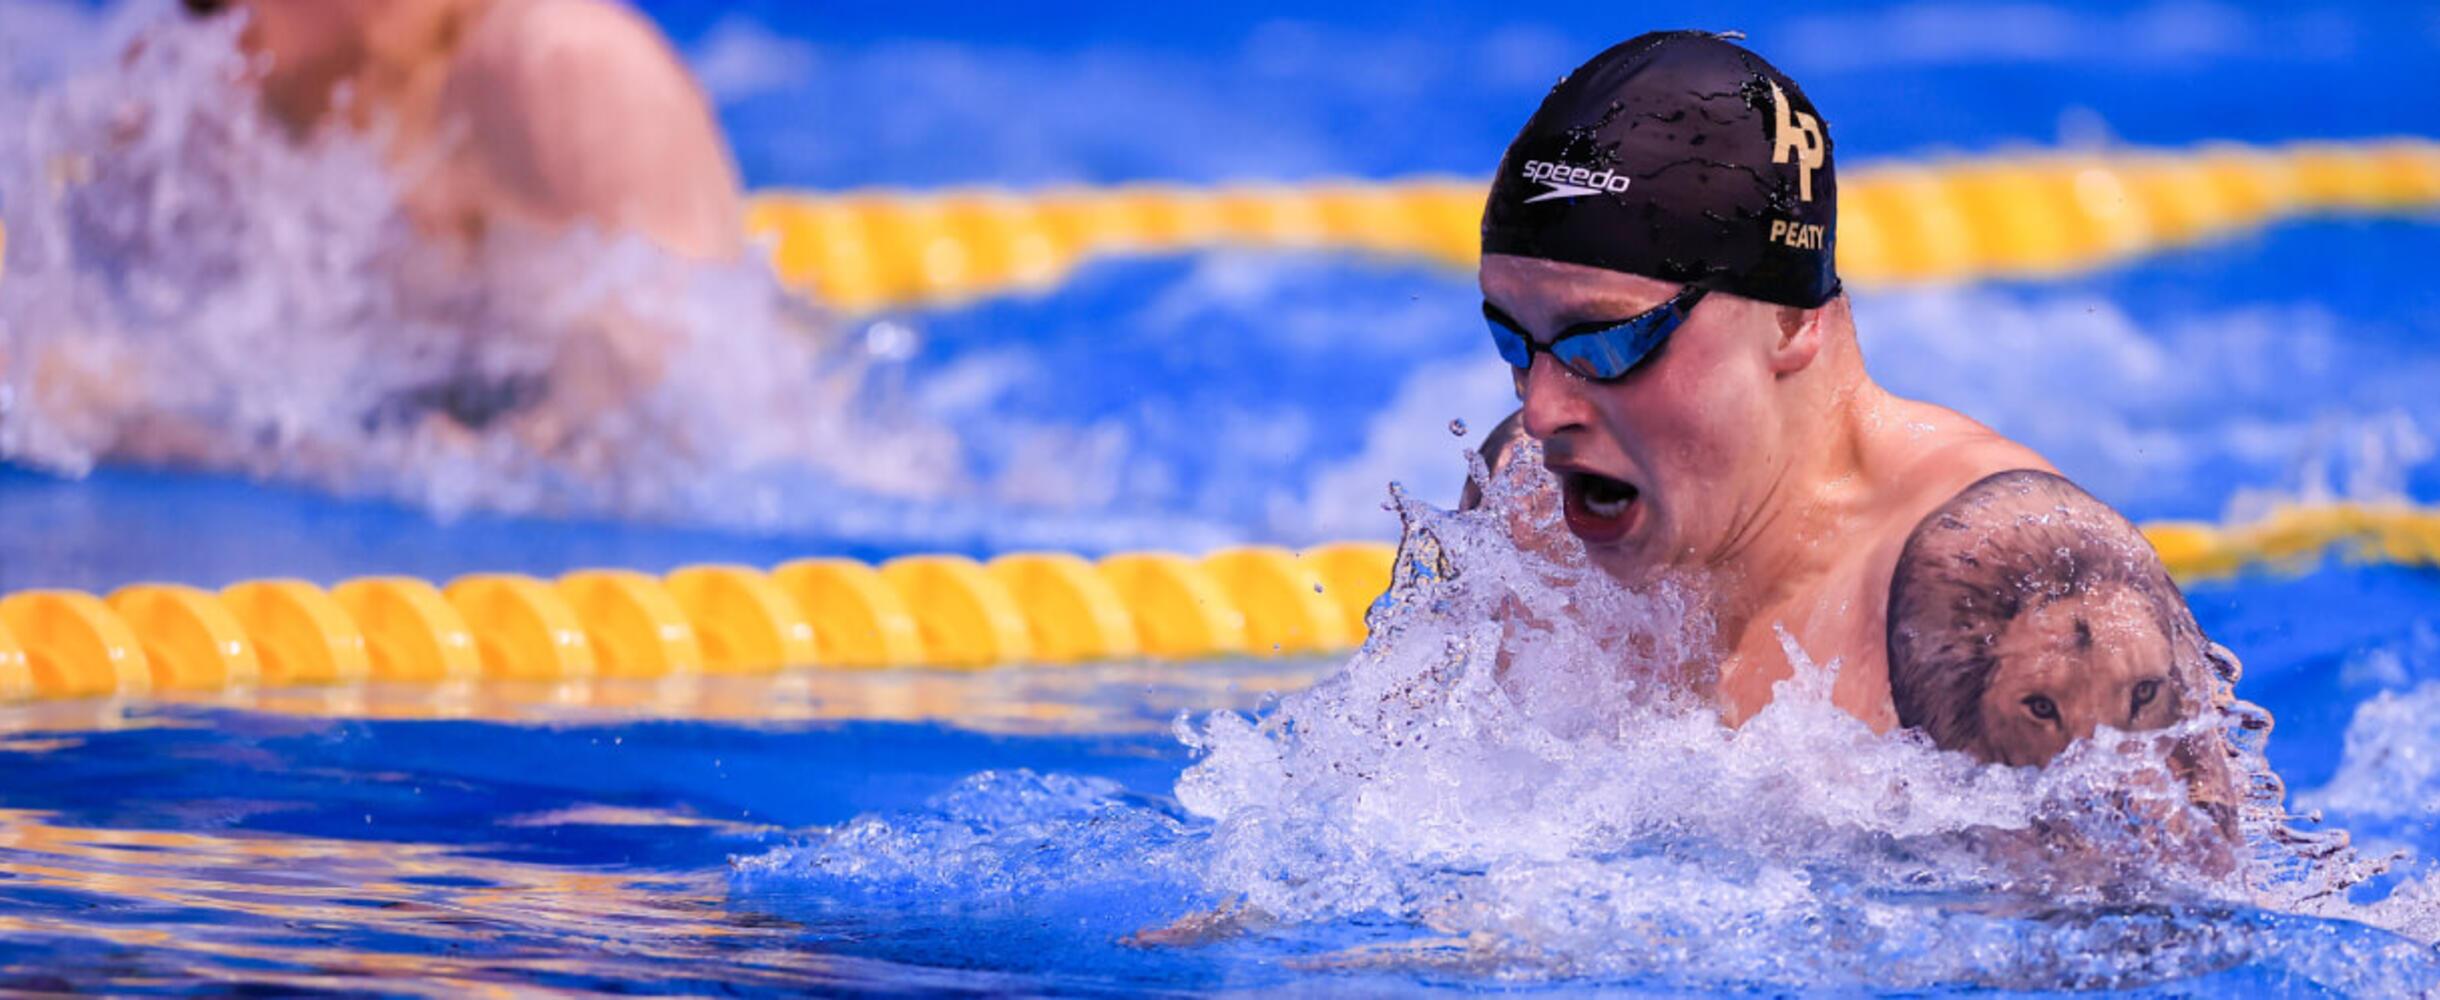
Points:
(581, 109)
(549, 59)
(1945, 450)
(604, 30)
(2024, 613)
(1973, 564)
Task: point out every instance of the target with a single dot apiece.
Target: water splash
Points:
(186, 283)
(1513, 780)
(2391, 765)
(166, 240)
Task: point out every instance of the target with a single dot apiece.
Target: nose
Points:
(1554, 399)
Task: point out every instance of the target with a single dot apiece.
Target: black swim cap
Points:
(1679, 156)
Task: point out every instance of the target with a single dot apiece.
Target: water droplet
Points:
(1457, 428)
(888, 340)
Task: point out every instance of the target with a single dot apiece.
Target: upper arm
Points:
(2023, 613)
(578, 110)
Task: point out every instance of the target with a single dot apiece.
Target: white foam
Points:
(186, 283)
(154, 270)
(1569, 809)
(1513, 770)
(2390, 768)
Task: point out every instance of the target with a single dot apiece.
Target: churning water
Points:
(186, 282)
(1510, 781)
(1505, 784)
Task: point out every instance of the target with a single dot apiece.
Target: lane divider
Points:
(634, 624)
(2032, 214)
(411, 631)
(920, 610)
(522, 627)
(2298, 537)
(858, 619)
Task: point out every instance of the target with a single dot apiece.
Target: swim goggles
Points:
(1601, 351)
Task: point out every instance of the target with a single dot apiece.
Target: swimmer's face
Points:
(1661, 467)
(2071, 666)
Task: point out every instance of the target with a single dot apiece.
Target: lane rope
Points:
(2031, 215)
(942, 611)
(2027, 215)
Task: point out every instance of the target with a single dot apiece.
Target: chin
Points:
(1628, 560)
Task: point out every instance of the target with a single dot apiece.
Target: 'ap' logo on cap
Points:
(1800, 135)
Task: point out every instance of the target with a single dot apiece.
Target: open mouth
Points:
(1600, 509)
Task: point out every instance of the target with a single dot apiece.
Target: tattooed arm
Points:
(2024, 614)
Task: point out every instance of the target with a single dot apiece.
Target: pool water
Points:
(413, 842)
(1038, 829)
(547, 841)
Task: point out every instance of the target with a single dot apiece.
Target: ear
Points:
(1798, 340)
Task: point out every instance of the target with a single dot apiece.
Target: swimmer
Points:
(506, 124)
(1658, 272)
(507, 113)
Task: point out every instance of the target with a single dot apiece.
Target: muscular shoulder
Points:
(580, 109)
(517, 34)
(1984, 563)
(2002, 518)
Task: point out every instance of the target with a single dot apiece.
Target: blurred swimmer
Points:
(531, 113)
(1657, 269)
(506, 124)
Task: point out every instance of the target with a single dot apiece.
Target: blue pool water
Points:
(1009, 831)
(581, 845)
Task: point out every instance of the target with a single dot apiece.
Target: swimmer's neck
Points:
(1804, 522)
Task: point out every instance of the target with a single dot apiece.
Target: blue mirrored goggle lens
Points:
(1610, 353)
(1514, 347)
(1602, 354)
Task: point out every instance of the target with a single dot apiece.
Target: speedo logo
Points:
(1567, 180)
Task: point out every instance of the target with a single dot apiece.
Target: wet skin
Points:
(1751, 452)
(530, 113)
(2071, 666)
(508, 123)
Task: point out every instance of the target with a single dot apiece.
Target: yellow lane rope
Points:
(2023, 215)
(2031, 214)
(919, 610)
